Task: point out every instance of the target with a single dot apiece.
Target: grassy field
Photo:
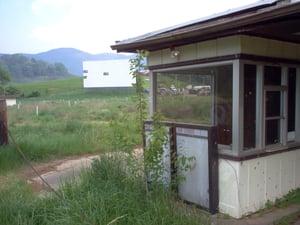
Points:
(65, 120)
(70, 89)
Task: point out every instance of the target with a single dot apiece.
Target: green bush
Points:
(10, 90)
(34, 94)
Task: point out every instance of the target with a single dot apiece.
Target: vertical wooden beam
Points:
(3, 123)
(297, 119)
(237, 108)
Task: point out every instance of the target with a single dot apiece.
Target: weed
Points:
(226, 216)
(293, 197)
(269, 204)
(288, 220)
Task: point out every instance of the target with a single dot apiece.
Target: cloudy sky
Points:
(32, 26)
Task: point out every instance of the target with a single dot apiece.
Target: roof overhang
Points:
(278, 20)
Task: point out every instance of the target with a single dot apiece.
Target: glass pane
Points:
(249, 106)
(192, 95)
(272, 132)
(185, 96)
(223, 104)
(291, 99)
(272, 75)
(273, 99)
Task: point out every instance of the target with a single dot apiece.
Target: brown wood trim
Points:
(226, 58)
(193, 62)
(183, 125)
(255, 155)
(268, 59)
(213, 170)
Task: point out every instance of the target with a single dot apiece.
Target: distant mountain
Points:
(72, 58)
(26, 69)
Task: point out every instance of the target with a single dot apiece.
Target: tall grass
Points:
(105, 193)
(62, 129)
(46, 129)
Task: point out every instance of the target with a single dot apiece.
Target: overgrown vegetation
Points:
(48, 129)
(289, 220)
(293, 197)
(105, 194)
(64, 120)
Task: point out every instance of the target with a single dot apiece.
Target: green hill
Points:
(24, 69)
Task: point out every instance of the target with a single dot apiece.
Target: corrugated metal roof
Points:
(259, 4)
(251, 19)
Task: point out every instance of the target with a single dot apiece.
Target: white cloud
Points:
(38, 5)
(94, 25)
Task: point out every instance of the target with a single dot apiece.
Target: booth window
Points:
(249, 106)
(273, 98)
(278, 102)
(199, 96)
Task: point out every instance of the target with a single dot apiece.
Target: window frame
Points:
(153, 75)
(226, 149)
(281, 118)
(261, 89)
(237, 148)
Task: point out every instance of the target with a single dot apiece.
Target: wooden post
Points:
(3, 123)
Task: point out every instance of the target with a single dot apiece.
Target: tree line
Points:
(22, 68)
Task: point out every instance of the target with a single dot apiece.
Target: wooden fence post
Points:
(3, 123)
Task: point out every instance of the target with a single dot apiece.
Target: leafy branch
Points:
(137, 65)
(158, 138)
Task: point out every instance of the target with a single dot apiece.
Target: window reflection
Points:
(200, 95)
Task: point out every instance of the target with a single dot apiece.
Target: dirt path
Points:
(54, 172)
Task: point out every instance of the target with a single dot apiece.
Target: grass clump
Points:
(293, 197)
(288, 220)
(17, 202)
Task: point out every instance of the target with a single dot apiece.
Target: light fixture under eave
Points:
(174, 53)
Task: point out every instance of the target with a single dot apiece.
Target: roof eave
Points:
(208, 30)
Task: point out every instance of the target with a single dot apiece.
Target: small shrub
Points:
(10, 90)
(34, 94)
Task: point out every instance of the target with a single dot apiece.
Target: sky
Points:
(34, 26)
